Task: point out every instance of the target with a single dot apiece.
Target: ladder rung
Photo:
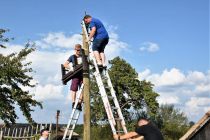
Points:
(110, 97)
(120, 131)
(104, 77)
(114, 107)
(74, 118)
(118, 119)
(107, 88)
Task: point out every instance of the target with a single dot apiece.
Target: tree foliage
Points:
(133, 95)
(14, 75)
(174, 122)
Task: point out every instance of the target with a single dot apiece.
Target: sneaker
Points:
(79, 106)
(104, 67)
(73, 105)
(100, 65)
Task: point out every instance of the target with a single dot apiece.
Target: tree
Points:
(14, 75)
(133, 95)
(174, 122)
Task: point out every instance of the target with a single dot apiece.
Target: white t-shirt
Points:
(42, 138)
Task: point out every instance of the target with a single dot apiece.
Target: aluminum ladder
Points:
(102, 80)
(73, 117)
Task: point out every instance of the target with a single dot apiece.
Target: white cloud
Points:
(167, 78)
(144, 74)
(54, 49)
(168, 99)
(11, 48)
(115, 46)
(49, 92)
(190, 91)
(149, 46)
(60, 40)
(197, 106)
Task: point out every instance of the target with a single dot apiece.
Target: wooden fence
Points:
(23, 132)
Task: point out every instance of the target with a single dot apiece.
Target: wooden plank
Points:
(16, 132)
(20, 131)
(28, 131)
(1, 135)
(8, 132)
(37, 128)
(13, 132)
(24, 131)
(50, 130)
(32, 130)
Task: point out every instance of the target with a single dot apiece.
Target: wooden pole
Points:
(57, 118)
(86, 93)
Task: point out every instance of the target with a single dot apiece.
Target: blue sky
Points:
(167, 42)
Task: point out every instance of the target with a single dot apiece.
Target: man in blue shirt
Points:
(77, 80)
(100, 38)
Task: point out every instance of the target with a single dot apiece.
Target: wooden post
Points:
(86, 92)
(50, 129)
(57, 118)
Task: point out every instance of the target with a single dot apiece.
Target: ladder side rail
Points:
(106, 104)
(74, 124)
(78, 112)
(73, 112)
(116, 103)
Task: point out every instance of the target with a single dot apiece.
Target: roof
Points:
(196, 127)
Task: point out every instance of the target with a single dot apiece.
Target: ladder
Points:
(73, 117)
(102, 80)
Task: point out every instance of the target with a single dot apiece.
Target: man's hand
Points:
(115, 136)
(87, 40)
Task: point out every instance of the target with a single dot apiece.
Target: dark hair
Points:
(45, 129)
(86, 16)
(143, 118)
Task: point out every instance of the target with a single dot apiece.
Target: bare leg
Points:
(80, 98)
(97, 56)
(73, 95)
(103, 58)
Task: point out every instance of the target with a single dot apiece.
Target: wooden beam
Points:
(86, 91)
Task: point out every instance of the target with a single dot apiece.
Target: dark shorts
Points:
(100, 44)
(75, 83)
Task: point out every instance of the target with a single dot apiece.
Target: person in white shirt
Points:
(44, 134)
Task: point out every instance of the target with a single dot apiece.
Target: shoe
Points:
(104, 67)
(79, 106)
(73, 105)
(100, 65)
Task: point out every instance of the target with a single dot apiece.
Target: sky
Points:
(166, 41)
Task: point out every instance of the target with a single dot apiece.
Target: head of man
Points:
(87, 19)
(77, 49)
(142, 121)
(44, 132)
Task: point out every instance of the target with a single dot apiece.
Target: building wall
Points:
(203, 133)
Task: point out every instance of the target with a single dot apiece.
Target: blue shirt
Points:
(101, 32)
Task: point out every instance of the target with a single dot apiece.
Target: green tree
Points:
(174, 122)
(14, 75)
(133, 95)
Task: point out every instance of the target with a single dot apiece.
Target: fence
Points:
(23, 132)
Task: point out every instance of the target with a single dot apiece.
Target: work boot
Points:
(73, 105)
(79, 106)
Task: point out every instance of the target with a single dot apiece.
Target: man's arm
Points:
(66, 64)
(126, 136)
(92, 32)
